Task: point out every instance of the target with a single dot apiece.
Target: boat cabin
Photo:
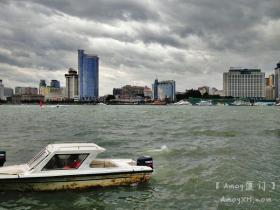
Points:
(67, 157)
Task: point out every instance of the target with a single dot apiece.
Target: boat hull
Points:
(74, 182)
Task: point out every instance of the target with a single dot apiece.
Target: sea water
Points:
(219, 157)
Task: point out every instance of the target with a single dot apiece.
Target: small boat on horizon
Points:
(204, 103)
(240, 103)
(72, 166)
(182, 102)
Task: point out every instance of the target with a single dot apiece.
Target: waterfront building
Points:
(55, 83)
(147, 92)
(8, 92)
(53, 94)
(270, 88)
(132, 91)
(277, 81)
(88, 67)
(220, 93)
(129, 92)
(212, 91)
(244, 83)
(18, 99)
(72, 84)
(270, 92)
(117, 92)
(215, 91)
(164, 90)
(1, 90)
(26, 91)
(266, 81)
(42, 83)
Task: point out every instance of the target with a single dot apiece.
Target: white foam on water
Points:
(162, 148)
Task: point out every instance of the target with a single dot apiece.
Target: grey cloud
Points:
(104, 10)
(198, 38)
(221, 24)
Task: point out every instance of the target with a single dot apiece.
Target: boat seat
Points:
(102, 164)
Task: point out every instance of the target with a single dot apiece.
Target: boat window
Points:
(38, 158)
(65, 161)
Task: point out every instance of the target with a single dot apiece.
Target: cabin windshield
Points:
(38, 158)
(65, 162)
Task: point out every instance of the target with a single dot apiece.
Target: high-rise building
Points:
(1, 90)
(72, 84)
(55, 84)
(266, 81)
(270, 88)
(271, 80)
(277, 81)
(88, 67)
(164, 90)
(155, 90)
(244, 83)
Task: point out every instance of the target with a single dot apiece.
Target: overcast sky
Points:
(190, 41)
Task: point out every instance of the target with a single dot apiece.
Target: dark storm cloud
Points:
(104, 10)
(191, 41)
(222, 25)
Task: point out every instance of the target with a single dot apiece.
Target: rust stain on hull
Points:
(76, 184)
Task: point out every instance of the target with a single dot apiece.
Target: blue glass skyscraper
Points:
(55, 83)
(88, 66)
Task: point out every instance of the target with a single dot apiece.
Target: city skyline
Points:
(191, 42)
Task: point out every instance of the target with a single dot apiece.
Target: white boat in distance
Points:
(204, 103)
(73, 166)
(182, 102)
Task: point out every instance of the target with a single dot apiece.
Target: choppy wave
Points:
(275, 132)
(161, 149)
(192, 149)
(214, 133)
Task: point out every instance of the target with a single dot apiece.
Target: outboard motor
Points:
(2, 158)
(145, 161)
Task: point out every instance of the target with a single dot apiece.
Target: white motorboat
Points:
(73, 166)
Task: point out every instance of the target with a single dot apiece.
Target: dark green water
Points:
(193, 149)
